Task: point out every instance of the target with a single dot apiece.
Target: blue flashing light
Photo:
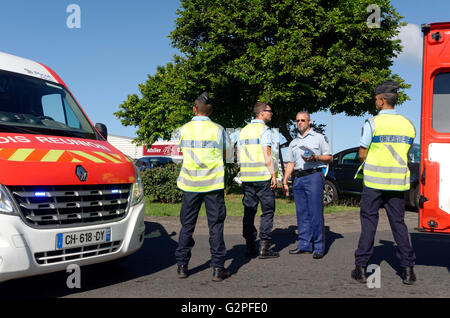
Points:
(39, 194)
(115, 191)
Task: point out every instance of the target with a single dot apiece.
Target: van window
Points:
(56, 107)
(35, 106)
(52, 107)
(441, 103)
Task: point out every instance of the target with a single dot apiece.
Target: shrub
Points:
(160, 183)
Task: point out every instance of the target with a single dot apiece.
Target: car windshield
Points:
(414, 154)
(157, 161)
(35, 106)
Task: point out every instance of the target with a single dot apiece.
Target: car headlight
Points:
(137, 190)
(6, 203)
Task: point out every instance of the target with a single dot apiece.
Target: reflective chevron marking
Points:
(55, 155)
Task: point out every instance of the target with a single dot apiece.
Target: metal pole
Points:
(331, 144)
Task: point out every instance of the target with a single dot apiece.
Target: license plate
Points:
(74, 239)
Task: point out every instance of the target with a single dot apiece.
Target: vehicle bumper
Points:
(21, 245)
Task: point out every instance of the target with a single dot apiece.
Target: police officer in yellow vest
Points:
(202, 179)
(258, 176)
(385, 144)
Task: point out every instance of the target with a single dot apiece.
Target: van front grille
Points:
(70, 254)
(70, 206)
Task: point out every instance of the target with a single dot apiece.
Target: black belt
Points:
(302, 173)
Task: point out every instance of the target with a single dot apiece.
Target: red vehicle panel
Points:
(435, 129)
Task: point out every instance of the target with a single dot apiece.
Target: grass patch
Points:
(233, 203)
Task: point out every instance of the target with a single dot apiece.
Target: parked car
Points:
(340, 177)
(151, 162)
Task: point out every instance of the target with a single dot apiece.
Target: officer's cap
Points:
(204, 98)
(387, 87)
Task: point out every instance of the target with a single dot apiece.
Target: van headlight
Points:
(6, 203)
(137, 190)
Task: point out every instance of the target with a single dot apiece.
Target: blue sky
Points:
(121, 42)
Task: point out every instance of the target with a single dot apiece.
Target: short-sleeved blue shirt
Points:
(367, 134)
(224, 133)
(314, 141)
(266, 135)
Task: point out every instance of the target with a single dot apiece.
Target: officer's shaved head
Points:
(203, 104)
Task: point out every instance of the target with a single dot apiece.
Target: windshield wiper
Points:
(43, 131)
(10, 128)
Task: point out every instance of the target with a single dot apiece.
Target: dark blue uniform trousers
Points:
(215, 212)
(308, 192)
(394, 203)
(255, 192)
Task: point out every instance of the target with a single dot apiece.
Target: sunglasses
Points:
(268, 110)
(301, 120)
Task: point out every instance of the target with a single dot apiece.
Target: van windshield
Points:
(35, 106)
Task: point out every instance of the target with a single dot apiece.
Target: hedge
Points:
(160, 183)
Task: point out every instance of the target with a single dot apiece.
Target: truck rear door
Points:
(435, 129)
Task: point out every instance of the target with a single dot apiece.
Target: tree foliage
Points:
(310, 55)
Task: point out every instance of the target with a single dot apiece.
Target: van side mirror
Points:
(102, 130)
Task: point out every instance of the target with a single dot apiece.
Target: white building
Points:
(125, 145)
(158, 149)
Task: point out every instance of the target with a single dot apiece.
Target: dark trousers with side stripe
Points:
(308, 196)
(215, 213)
(255, 193)
(394, 203)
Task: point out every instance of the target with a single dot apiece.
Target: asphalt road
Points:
(151, 272)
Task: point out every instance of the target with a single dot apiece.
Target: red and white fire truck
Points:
(66, 195)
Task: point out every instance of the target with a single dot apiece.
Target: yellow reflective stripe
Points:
(106, 156)
(52, 155)
(20, 154)
(87, 156)
(76, 160)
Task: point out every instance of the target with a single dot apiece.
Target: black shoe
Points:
(251, 249)
(359, 274)
(182, 271)
(299, 251)
(265, 251)
(317, 255)
(408, 275)
(219, 274)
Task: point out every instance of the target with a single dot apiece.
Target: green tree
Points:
(164, 105)
(311, 54)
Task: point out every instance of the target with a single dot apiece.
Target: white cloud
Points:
(412, 42)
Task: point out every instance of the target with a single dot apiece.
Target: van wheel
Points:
(330, 194)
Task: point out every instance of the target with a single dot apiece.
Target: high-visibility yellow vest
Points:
(202, 145)
(251, 157)
(386, 164)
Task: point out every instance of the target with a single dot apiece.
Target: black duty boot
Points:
(408, 275)
(251, 249)
(265, 251)
(359, 274)
(182, 271)
(219, 274)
